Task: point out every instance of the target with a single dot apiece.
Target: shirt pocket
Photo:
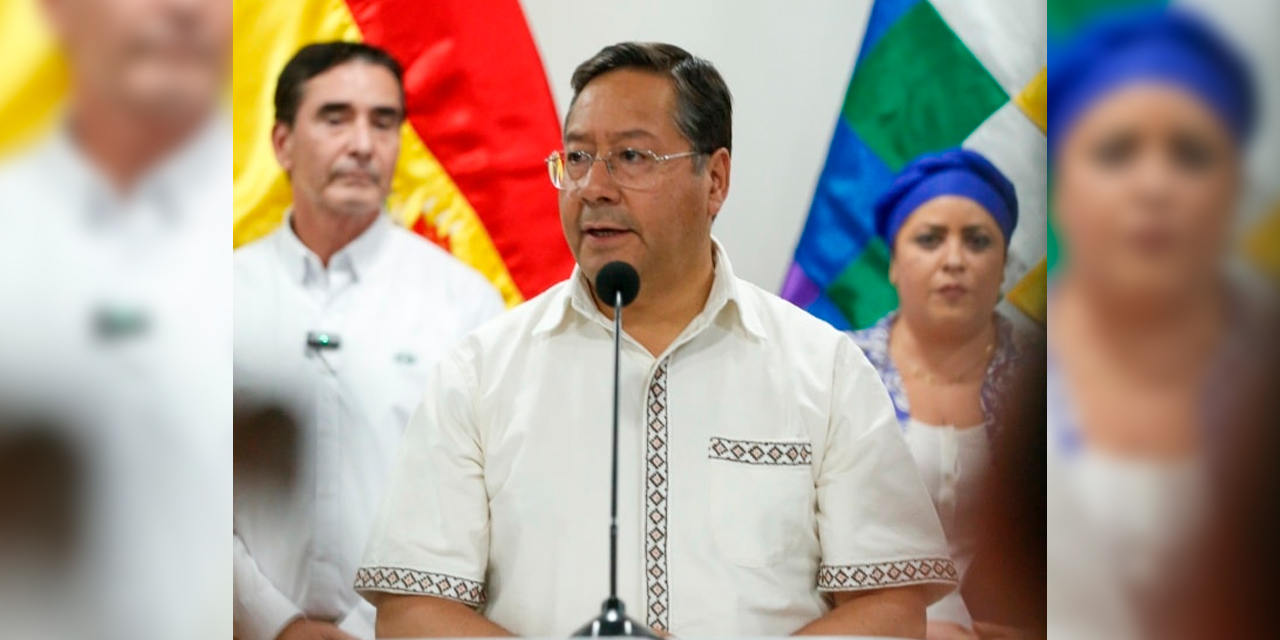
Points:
(761, 495)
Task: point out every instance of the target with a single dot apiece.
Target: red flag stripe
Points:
(478, 97)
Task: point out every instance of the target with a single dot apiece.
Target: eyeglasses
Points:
(629, 168)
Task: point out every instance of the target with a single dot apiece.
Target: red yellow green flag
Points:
(481, 119)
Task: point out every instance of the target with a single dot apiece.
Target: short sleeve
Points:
(877, 526)
(431, 534)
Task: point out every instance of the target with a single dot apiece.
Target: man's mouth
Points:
(358, 177)
(602, 230)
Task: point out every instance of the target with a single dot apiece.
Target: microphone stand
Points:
(613, 620)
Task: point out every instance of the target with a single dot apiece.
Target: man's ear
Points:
(282, 144)
(718, 166)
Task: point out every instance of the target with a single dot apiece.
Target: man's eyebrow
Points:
(631, 133)
(578, 136)
(334, 107)
(346, 107)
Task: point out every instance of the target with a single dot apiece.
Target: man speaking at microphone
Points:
(764, 485)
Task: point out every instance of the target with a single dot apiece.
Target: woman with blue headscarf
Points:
(945, 355)
(1149, 115)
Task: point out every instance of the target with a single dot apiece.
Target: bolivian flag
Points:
(480, 121)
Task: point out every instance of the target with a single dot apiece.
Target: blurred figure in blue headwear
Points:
(1149, 351)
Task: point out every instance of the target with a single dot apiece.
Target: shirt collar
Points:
(358, 257)
(725, 300)
(206, 153)
(165, 185)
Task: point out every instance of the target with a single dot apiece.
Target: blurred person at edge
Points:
(390, 303)
(1151, 344)
(1004, 584)
(945, 355)
(115, 330)
(1229, 590)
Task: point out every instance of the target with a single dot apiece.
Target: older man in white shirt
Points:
(765, 487)
(339, 315)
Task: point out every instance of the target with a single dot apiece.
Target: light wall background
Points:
(788, 65)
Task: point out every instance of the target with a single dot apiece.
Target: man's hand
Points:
(895, 612)
(992, 631)
(948, 631)
(401, 616)
(303, 629)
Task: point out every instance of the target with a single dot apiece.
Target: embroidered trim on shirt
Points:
(753, 452)
(853, 577)
(411, 581)
(655, 490)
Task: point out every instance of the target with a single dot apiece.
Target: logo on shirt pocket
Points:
(761, 496)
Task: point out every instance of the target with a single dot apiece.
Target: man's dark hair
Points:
(704, 106)
(315, 59)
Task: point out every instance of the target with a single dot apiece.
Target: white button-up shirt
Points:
(761, 467)
(115, 325)
(395, 304)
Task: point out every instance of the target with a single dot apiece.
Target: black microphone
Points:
(617, 284)
(617, 279)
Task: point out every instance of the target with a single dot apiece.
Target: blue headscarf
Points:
(1168, 46)
(956, 172)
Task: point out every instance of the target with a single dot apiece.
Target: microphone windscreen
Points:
(617, 277)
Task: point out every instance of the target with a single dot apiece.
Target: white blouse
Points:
(953, 463)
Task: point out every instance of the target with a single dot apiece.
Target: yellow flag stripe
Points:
(422, 190)
(1029, 294)
(34, 81)
(1033, 100)
(1262, 244)
(267, 35)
